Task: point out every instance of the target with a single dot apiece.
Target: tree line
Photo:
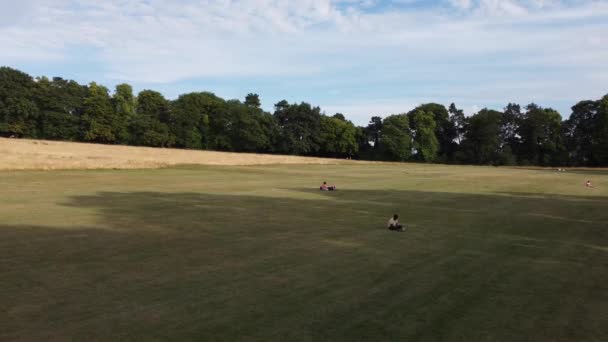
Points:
(59, 109)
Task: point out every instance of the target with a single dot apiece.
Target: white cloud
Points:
(162, 41)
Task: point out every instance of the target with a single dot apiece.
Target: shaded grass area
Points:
(289, 263)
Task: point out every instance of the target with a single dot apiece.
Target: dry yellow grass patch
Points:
(22, 154)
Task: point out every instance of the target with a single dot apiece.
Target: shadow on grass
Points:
(187, 266)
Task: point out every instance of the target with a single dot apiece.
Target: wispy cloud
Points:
(362, 51)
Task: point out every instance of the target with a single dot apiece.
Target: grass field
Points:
(256, 253)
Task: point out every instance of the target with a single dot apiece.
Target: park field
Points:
(257, 253)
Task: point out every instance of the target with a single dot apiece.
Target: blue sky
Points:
(358, 57)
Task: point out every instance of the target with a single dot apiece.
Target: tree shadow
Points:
(220, 266)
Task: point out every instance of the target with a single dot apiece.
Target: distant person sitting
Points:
(588, 184)
(393, 224)
(325, 187)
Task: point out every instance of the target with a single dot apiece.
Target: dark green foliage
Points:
(65, 110)
(586, 133)
(374, 130)
(191, 120)
(18, 111)
(445, 132)
(338, 137)
(600, 136)
(60, 103)
(426, 143)
(253, 100)
(124, 109)
(100, 123)
(481, 143)
(540, 132)
(458, 123)
(299, 126)
(149, 126)
(396, 142)
(244, 128)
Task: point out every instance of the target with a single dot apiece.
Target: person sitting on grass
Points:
(325, 187)
(588, 184)
(393, 224)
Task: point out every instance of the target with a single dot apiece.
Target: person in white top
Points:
(393, 224)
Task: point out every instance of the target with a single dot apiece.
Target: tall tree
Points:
(124, 108)
(61, 103)
(299, 125)
(245, 129)
(396, 142)
(600, 136)
(253, 100)
(425, 140)
(445, 132)
(198, 121)
(540, 133)
(481, 144)
(149, 126)
(586, 133)
(271, 131)
(338, 137)
(579, 130)
(18, 111)
(99, 120)
(373, 131)
(458, 122)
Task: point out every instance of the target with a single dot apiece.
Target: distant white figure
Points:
(588, 184)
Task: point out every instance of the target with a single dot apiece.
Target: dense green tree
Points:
(541, 139)
(425, 140)
(124, 104)
(149, 126)
(481, 144)
(510, 139)
(199, 121)
(600, 135)
(271, 131)
(338, 137)
(253, 100)
(445, 131)
(364, 150)
(373, 132)
(18, 111)
(100, 123)
(299, 126)
(586, 133)
(579, 130)
(244, 128)
(60, 103)
(458, 122)
(395, 141)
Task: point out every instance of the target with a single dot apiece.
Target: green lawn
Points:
(256, 253)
